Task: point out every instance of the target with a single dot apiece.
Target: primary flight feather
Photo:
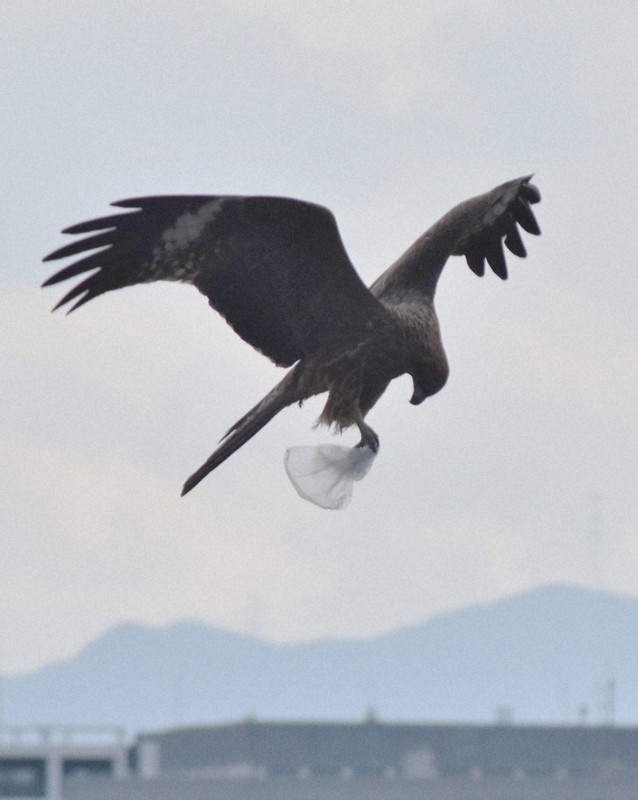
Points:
(277, 271)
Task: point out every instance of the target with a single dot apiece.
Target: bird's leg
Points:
(368, 436)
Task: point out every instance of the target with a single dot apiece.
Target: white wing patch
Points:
(189, 227)
(498, 208)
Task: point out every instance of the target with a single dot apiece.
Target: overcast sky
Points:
(522, 471)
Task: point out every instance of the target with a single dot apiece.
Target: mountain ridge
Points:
(543, 655)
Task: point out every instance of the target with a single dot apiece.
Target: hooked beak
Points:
(418, 395)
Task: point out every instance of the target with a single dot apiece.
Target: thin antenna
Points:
(608, 705)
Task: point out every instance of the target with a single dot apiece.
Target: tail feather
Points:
(243, 430)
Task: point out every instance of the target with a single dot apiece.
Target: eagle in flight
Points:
(277, 271)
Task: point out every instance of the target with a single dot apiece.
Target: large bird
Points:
(277, 271)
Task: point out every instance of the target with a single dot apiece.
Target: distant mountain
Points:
(553, 654)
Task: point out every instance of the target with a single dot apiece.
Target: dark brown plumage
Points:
(277, 271)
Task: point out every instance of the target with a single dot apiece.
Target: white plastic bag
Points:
(324, 473)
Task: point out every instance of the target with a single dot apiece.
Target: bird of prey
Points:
(277, 271)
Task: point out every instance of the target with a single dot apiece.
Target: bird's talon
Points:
(368, 438)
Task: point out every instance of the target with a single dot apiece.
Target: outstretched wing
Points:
(476, 229)
(275, 268)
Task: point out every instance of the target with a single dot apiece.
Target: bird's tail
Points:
(245, 428)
